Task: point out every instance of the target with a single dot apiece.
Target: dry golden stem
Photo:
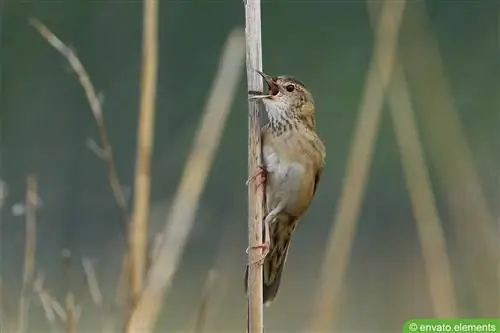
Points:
(50, 305)
(449, 151)
(69, 304)
(71, 314)
(180, 220)
(255, 192)
(359, 161)
(432, 240)
(29, 253)
(95, 106)
(142, 185)
(96, 294)
(92, 283)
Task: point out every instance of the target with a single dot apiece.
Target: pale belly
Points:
(284, 183)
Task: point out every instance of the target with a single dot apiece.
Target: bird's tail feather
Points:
(281, 236)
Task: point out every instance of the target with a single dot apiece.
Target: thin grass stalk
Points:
(95, 293)
(145, 140)
(431, 235)
(50, 305)
(96, 108)
(179, 221)
(340, 242)
(429, 224)
(49, 313)
(92, 282)
(68, 271)
(255, 193)
(106, 151)
(29, 253)
(451, 156)
(71, 314)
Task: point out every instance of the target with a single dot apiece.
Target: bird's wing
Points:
(320, 165)
(316, 179)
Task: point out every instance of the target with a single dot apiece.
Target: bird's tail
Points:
(281, 236)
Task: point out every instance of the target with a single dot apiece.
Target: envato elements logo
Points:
(457, 325)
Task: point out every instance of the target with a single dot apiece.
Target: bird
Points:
(293, 158)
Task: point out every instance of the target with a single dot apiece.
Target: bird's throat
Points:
(283, 120)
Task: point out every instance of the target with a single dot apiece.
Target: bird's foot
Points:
(261, 173)
(265, 247)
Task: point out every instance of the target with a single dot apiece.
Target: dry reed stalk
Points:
(92, 282)
(206, 294)
(94, 101)
(121, 289)
(107, 324)
(29, 253)
(179, 221)
(138, 235)
(432, 240)
(50, 305)
(106, 152)
(49, 313)
(452, 158)
(96, 108)
(345, 223)
(71, 314)
(58, 308)
(96, 294)
(69, 302)
(255, 192)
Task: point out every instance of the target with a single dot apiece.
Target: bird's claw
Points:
(265, 251)
(262, 172)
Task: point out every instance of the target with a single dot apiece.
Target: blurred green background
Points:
(46, 123)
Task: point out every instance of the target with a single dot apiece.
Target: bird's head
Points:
(287, 98)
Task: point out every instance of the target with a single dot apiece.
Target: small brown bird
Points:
(294, 157)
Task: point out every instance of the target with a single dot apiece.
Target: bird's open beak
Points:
(272, 87)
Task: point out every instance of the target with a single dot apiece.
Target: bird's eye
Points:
(290, 88)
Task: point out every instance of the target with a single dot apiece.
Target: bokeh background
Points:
(449, 52)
